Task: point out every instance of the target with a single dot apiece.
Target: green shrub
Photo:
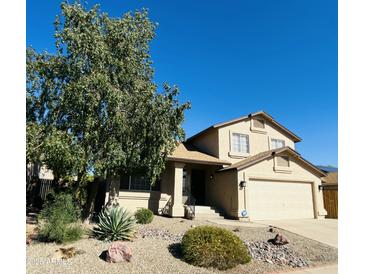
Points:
(60, 232)
(144, 216)
(58, 220)
(61, 207)
(209, 246)
(115, 223)
(73, 233)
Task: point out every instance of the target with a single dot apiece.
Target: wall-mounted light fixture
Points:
(243, 184)
(211, 177)
(320, 187)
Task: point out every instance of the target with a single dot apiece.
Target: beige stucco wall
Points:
(167, 179)
(297, 172)
(222, 193)
(133, 200)
(208, 142)
(259, 142)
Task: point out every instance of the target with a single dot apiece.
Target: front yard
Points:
(155, 250)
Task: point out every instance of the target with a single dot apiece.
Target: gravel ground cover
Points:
(272, 254)
(156, 250)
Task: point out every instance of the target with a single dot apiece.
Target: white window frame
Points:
(233, 153)
(276, 139)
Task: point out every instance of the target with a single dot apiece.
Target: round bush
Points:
(209, 246)
(144, 216)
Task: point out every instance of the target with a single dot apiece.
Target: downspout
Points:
(244, 192)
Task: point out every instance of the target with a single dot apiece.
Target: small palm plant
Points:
(115, 223)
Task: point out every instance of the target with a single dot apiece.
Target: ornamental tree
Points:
(92, 106)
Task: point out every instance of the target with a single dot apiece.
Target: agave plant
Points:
(115, 223)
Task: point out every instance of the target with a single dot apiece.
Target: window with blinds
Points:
(240, 143)
(282, 161)
(277, 143)
(258, 123)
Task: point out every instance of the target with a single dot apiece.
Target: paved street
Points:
(332, 269)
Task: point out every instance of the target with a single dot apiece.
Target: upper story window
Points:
(277, 143)
(258, 123)
(240, 143)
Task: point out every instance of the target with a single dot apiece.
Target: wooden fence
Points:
(330, 199)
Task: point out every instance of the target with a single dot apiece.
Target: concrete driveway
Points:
(324, 231)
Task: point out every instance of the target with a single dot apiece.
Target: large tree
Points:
(93, 106)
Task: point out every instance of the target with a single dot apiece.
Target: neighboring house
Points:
(39, 171)
(247, 168)
(39, 183)
(330, 194)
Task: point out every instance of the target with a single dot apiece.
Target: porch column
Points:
(177, 208)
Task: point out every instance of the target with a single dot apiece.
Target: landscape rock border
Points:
(276, 254)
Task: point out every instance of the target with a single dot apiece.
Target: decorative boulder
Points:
(279, 240)
(118, 252)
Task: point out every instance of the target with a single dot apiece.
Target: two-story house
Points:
(245, 168)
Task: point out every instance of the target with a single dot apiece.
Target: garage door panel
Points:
(279, 200)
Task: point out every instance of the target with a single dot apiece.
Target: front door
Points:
(198, 186)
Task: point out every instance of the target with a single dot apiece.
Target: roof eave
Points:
(278, 151)
(296, 154)
(187, 160)
(293, 136)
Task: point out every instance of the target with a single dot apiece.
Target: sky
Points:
(232, 58)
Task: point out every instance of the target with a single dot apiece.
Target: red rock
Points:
(118, 252)
(279, 240)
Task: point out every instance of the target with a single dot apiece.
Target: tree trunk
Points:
(92, 191)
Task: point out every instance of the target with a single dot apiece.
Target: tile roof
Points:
(267, 154)
(251, 160)
(189, 153)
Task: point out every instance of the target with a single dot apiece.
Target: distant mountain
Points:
(328, 168)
